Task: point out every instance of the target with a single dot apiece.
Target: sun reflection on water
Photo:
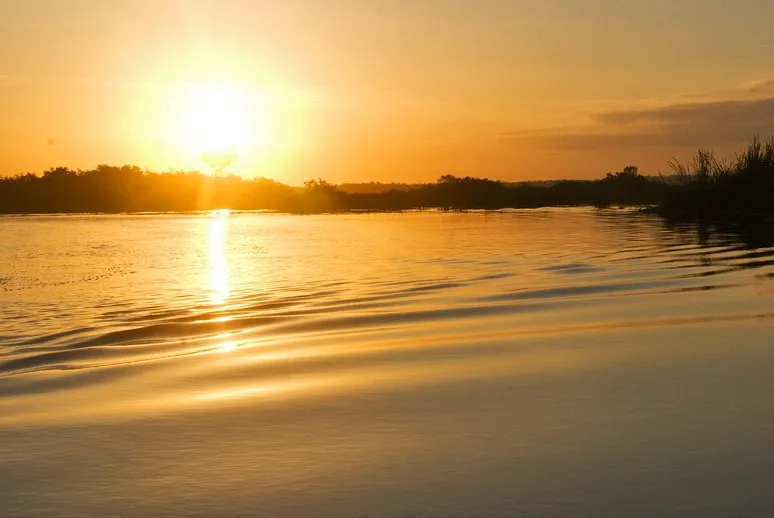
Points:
(227, 347)
(220, 287)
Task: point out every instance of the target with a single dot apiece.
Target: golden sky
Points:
(389, 90)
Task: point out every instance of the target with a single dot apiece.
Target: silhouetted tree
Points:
(705, 187)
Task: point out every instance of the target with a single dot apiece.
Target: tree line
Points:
(704, 185)
(109, 189)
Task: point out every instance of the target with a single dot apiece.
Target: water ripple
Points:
(280, 298)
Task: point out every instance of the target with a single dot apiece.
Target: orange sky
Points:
(390, 90)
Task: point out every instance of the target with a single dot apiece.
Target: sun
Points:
(221, 123)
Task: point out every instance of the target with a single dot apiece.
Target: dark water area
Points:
(552, 362)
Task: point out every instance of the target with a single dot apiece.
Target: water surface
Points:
(560, 362)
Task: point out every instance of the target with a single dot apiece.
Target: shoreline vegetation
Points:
(703, 188)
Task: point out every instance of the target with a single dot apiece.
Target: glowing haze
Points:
(390, 90)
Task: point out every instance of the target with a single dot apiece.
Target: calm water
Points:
(532, 363)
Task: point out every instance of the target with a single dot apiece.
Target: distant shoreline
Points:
(205, 213)
(704, 188)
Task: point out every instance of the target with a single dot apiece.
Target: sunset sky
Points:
(388, 90)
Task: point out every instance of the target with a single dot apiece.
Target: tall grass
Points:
(707, 186)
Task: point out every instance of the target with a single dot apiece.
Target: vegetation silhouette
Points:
(109, 189)
(703, 188)
(710, 189)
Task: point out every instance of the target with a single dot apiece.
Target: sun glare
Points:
(219, 271)
(221, 123)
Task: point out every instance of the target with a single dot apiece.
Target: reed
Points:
(706, 186)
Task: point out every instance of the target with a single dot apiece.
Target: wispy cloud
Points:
(721, 120)
(764, 86)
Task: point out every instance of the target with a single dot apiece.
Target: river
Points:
(557, 362)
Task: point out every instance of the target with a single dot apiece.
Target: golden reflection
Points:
(227, 347)
(219, 271)
(247, 392)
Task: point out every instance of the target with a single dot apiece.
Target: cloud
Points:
(765, 86)
(703, 123)
(726, 113)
